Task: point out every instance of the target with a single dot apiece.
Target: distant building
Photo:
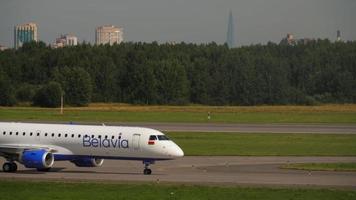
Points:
(108, 34)
(171, 43)
(2, 48)
(338, 36)
(291, 41)
(304, 41)
(65, 40)
(25, 33)
(230, 37)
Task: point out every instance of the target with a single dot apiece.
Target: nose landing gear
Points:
(147, 170)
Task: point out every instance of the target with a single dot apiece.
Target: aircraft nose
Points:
(174, 151)
(178, 152)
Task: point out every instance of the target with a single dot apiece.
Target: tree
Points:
(172, 83)
(26, 92)
(7, 95)
(48, 95)
(141, 87)
(152, 73)
(77, 86)
(200, 81)
(102, 73)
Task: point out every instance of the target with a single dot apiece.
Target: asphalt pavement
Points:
(212, 170)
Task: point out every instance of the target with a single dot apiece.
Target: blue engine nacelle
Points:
(88, 162)
(40, 159)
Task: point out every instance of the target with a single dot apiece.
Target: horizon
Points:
(195, 21)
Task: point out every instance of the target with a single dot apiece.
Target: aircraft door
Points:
(136, 141)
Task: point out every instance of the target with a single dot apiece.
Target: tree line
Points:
(151, 73)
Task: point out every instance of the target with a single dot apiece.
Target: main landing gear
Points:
(147, 170)
(43, 169)
(9, 167)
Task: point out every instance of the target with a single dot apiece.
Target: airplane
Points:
(37, 145)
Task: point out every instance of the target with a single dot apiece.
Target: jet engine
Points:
(40, 159)
(88, 162)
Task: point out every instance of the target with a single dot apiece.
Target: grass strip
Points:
(185, 114)
(322, 166)
(62, 191)
(264, 144)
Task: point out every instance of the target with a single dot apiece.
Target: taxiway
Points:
(216, 170)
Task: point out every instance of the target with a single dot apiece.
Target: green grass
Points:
(265, 144)
(87, 191)
(322, 166)
(174, 115)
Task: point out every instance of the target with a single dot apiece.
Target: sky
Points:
(197, 21)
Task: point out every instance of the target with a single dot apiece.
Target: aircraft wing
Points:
(19, 148)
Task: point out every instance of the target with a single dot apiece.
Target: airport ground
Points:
(265, 144)
(222, 177)
(208, 177)
(324, 114)
(202, 170)
(92, 191)
(240, 153)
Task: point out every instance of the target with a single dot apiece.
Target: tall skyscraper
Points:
(338, 36)
(108, 35)
(230, 39)
(25, 33)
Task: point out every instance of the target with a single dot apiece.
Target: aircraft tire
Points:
(13, 167)
(9, 167)
(147, 171)
(43, 169)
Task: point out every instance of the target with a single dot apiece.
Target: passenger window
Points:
(23, 133)
(119, 137)
(99, 136)
(17, 133)
(153, 137)
(46, 134)
(10, 133)
(4, 133)
(79, 136)
(31, 134)
(92, 136)
(52, 134)
(66, 135)
(59, 135)
(38, 134)
(72, 135)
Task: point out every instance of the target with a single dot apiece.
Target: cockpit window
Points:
(153, 137)
(162, 137)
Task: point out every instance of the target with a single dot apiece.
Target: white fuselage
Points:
(109, 142)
